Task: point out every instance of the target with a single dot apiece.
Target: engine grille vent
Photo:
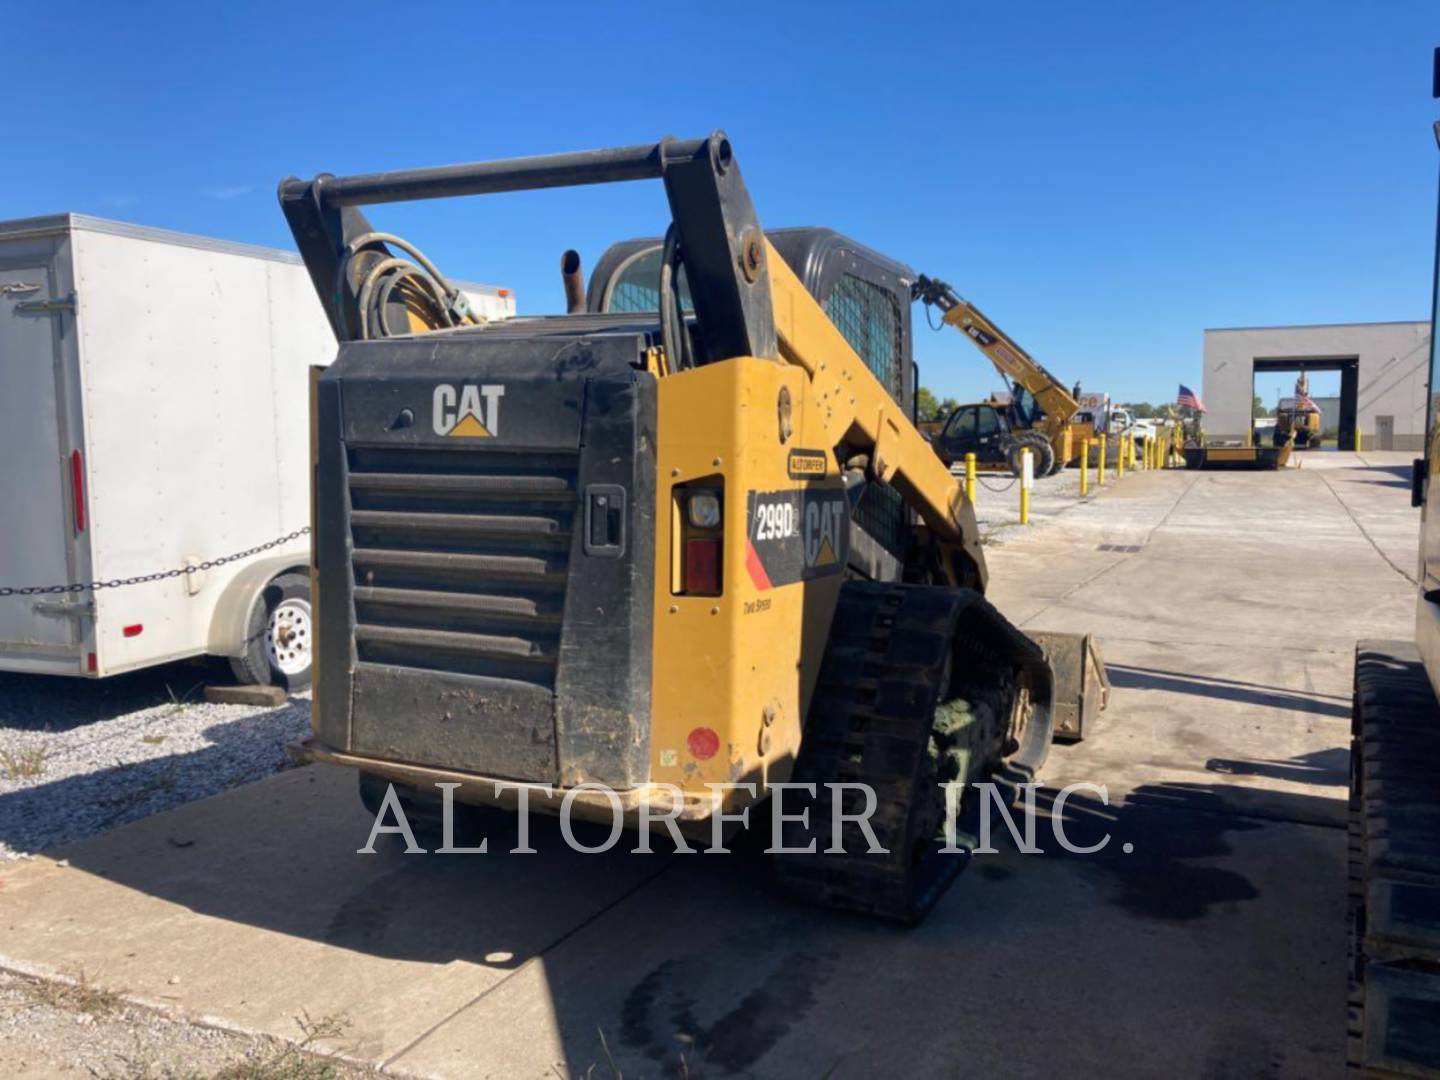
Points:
(460, 559)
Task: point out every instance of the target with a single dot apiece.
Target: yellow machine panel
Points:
(733, 673)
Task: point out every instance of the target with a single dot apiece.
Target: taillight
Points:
(698, 521)
(77, 488)
(702, 567)
(133, 630)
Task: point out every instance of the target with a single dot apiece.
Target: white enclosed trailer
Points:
(154, 417)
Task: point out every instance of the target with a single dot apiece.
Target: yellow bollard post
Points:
(1027, 477)
(1120, 455)
(970, 479)
(1358, 447)
(1100, 465)
(1084, 467)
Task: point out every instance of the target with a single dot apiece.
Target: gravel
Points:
(79, 756)
(997, 501)
(49, 1028)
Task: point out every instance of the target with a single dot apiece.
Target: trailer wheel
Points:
(279, 638)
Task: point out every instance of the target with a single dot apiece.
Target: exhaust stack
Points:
(574, 279)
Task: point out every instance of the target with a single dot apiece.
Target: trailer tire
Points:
(279, 636)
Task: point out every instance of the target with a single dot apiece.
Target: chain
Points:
(115, 583)
(991, 487)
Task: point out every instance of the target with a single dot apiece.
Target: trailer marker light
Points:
(702, 567)
(133, 630)
(77, 488)
(90, 662)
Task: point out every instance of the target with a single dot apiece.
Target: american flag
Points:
(1187, 399)
(1303, 401)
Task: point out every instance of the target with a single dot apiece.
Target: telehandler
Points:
(1040, 413)
(624, 557)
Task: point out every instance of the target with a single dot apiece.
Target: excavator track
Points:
(920, 684)
(1394, 867)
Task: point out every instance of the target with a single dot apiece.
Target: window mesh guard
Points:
(867, 317)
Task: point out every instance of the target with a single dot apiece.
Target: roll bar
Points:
(720, 240)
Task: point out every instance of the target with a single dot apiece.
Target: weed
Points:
(298, 1061)
(73, 993)
(179, 702)
(24, 764)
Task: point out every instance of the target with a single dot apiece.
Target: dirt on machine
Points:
(664, 551)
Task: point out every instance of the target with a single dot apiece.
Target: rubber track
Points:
(1393, 908)
(870, 723)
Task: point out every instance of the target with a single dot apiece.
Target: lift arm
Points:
(1008, 357)
(861, 415)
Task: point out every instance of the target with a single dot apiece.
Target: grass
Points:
(163, 783)
(179, 702)
(267, 1059)
(297, 1061)
(73, 993)
(279, 1061)
(23, 764)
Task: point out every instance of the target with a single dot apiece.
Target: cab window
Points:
(989, 422)
(962, 425)
(866, 314)
(1026, 407)
(637, 284)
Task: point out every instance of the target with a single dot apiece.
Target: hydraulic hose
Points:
(425, 290)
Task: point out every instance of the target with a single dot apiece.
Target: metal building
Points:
(1384, 372)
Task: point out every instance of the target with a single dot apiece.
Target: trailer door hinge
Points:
(63, 609)
(46, 307)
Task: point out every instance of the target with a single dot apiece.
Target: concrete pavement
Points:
(1227, 605)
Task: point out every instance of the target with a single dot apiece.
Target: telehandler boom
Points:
(615, 555)
(1046, 407)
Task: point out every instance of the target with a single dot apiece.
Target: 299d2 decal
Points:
(795, 535)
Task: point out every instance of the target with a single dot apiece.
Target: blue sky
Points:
(1104, 179)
